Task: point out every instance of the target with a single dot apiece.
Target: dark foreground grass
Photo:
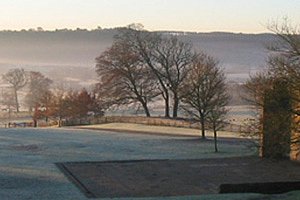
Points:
(171, 178)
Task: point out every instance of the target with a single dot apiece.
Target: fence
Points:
(155, 121)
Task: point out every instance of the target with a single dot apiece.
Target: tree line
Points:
(44, 101)
(142, 67)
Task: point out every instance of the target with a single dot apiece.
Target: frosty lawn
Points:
(158, 130)
(27, 157)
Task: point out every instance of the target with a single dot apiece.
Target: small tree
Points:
(216, 117)
(18, 79)
(58, 107)
(205, 90)
(80, 103)
(43, 109)
(68, 104)
(83, 102)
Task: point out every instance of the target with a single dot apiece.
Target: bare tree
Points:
(205, 89)
(285, 62)
(168, 58)
(143, 43)
(8, 99)
(217, 116)
(174, 60)
(288, 44)
(255, 88)
(38, 86)
(123, 78)
(17, 79)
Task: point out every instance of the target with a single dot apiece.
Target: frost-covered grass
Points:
(28, 157)
(168, 130)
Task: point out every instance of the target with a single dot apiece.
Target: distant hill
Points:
(69, 55)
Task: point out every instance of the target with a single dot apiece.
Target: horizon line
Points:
(40, 29)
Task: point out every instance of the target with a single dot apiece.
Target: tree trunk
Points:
(46, 113)
(175, 106)
(166, 97)
(202, 122)
(167, 107)
(59, 121)
(215, 139)
(34, 123)
(16, 100)
(146, 109)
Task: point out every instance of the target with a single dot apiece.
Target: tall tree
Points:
(205, 89)
(17, 78)
(143, 44)
(174, 59)
(167, 58)
(285, 62)
(124, 79)
(38, 87)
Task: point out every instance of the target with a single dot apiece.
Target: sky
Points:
(246, 16)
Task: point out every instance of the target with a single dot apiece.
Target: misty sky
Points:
(248, 16)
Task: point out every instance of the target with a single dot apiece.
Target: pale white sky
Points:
(248, 16)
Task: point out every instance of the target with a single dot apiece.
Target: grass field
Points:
(28, 157)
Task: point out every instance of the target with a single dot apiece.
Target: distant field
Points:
(157, 109)
(237, 116)
(158, 130)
